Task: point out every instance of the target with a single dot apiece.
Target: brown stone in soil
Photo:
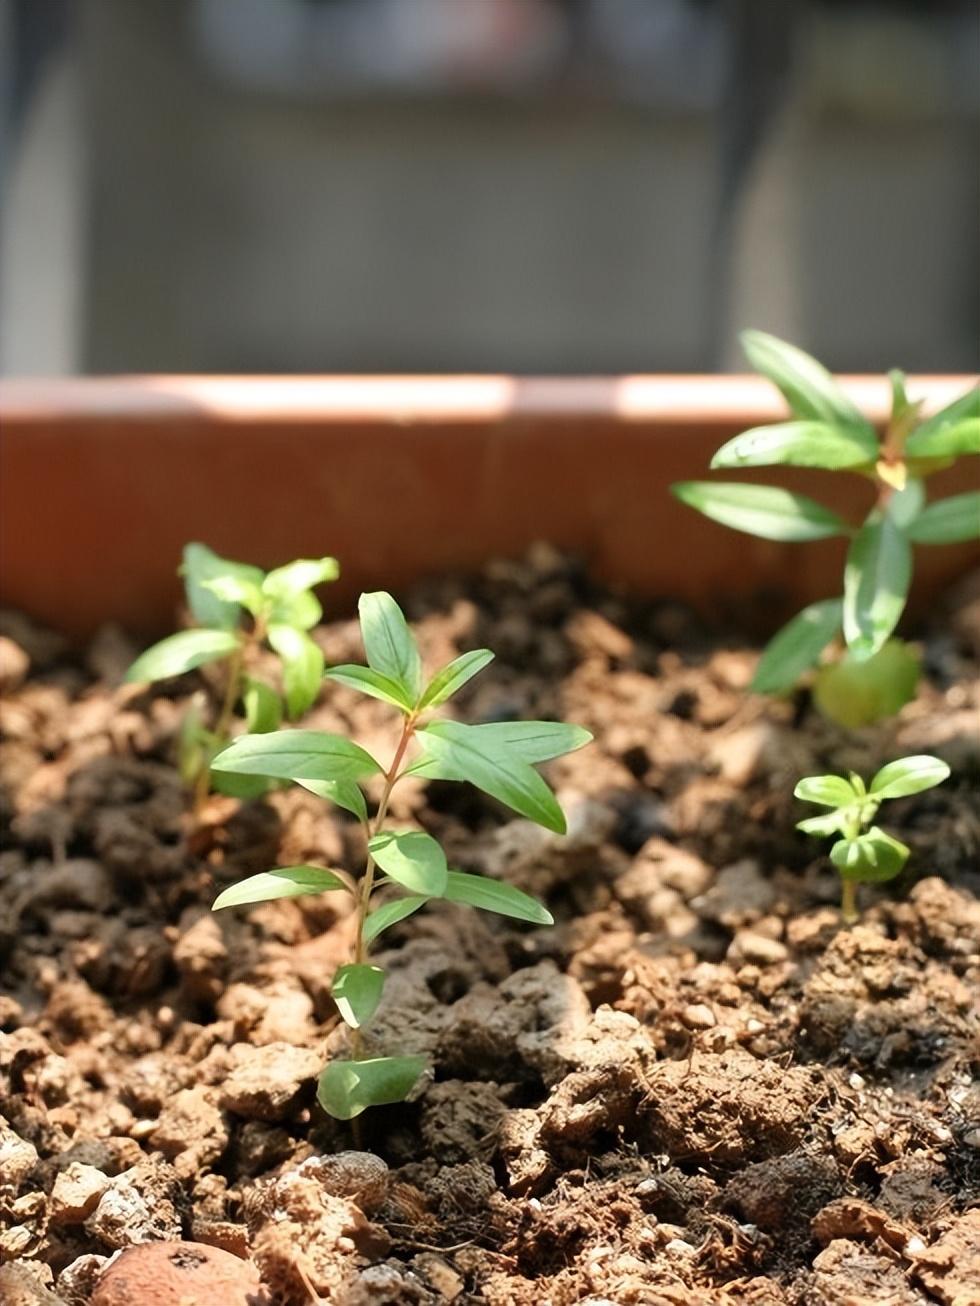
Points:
(269, 1083)
(950, 1269)
(177, 1274)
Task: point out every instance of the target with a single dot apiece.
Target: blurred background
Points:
(538, 186)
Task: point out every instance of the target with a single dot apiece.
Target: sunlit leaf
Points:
(356, 989)
(390, 913)
(953, 431)
(389, 645)
(345, 793)
(286, 882)
(182, 652)
(827, 790)
(909, 775)
(347, 1088)
(797, 647)
(263, 710)
(492, 895)
(368, 681)
(807, 386)
(876, 582)
(871, 857)
(799, 444)
(412, 859)
(948, 521)
(297, 755)
(453, 676)
(300, 575)
(202, 564)
(302, 667)
(763, 510)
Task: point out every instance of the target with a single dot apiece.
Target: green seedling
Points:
(407, 868)
(238, 609)
(863, 853)
(876, 675)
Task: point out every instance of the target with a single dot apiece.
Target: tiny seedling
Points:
(408, 867)
(864, 853)
(876, 674)
(238, 608)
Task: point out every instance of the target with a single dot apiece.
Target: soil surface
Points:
(696, 1088)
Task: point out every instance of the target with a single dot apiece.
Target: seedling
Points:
(876, 675)
(408, 867)
(863, 853)
(238, 608)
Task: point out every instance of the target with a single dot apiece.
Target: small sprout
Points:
(406, 868)
(827, 431)
(864, 853)
(238, 608)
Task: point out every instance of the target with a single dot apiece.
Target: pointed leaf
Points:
(301, 610)
(909, 775)
(807, 386)
(390, 913)
(827, 790)
(492, 895)
(345, 793)
(453, 676)
(182, 652)
(876, 582)
(763, 510)
(263, 710)
(797, 647)
(302, 667)
(799, 444)
(412, 859)
(948, 521)
(303, 574)
(495, 769)
(286, 882)
(201, 564)
(953, 431)
(296, 755)
(389, 644)
(531, 741)
(369, 681)
(347, 1088)
(871, 857)
(356, 989)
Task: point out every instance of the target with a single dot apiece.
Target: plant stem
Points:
(848, 902)
(367, 882)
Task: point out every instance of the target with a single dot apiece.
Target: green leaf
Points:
(495, 767)
(948, 521)
(303, 574)
(491, 895)
(182, 652)
(953, 431)
(822, 826)
(347, 1088)
(797, 647)
(531, 741)
(201, 564)
(239, 591)
(301, 610)
(296, 755)
(263, 710)
(345, 793)
(799, 444)
(763, 510)
(453, 676)
(412, 859)
(390, 913)
(286, 882)
(239, 786)
(854, 693)
(356, 989)
(302, 667)
(871, 857)
(900, 399)
(876, 582)
(389, 644)
(807, 386)
(906, 504)
(369, 681)
(827, 790)
(909, 775)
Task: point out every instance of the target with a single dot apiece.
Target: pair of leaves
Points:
(394, 670)
(899, 779)
(872, 857)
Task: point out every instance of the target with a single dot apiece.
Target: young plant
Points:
(407, 866)
(876, 675)
(238, 608)
(863, 853)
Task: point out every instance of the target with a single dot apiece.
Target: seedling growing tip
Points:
(876, 674)
(238, 608)
(864, 853)
(408, 867)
